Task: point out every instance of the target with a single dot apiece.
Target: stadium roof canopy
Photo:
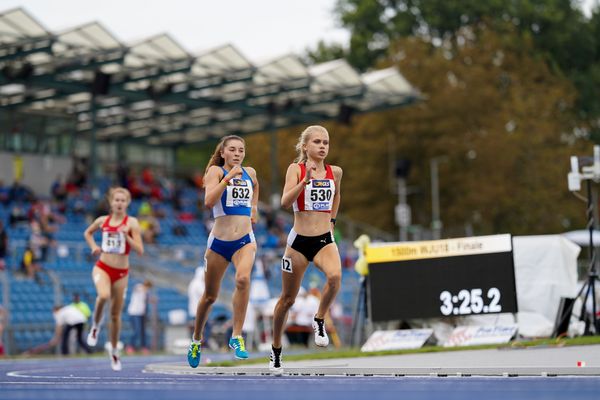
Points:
(155, 92)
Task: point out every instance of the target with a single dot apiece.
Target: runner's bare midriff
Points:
(231, 227)
(312, 223)
(118, 261)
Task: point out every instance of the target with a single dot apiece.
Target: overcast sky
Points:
(260, 29)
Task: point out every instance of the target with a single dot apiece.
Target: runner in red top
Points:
(120, 234)
(312, 188)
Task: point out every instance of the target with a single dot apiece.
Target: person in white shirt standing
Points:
(137, 315)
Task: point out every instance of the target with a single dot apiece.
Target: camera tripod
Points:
(589, 286)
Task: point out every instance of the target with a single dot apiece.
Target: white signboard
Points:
(397, 340)
(476, 335)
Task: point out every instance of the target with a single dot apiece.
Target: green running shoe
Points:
(194, 354)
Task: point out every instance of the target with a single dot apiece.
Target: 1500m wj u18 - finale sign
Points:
(439, 278)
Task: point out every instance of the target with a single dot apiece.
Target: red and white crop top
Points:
(113, 241)
(317, 194)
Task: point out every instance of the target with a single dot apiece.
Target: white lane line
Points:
(26, 374)
(145, 382)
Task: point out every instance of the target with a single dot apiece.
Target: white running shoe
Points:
(275, 362)
(115, 360)
(92, 337)
(321, 338)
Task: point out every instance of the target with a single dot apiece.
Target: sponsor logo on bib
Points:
(321, 183)
(239, 182)
(320, 206)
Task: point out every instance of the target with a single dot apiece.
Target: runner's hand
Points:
(96, 251)
(235, 171)
(310, 167)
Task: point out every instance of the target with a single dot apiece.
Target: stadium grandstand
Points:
(75, 105)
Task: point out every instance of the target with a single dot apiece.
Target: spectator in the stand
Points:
(147, 176)
(177, 197)
(3, 245)
(155, 191)
(19, 192)
(30, 266)
(138, 190)
(137, 309)
(17, 214)
(38, 211)
(149, 226)
(58, 189)
(152, 186)
(167, 185)
(38, 242)
(133, 186)
(122, 174)
(4, 193)
(71, 186)
(79, 173)
(42, 212)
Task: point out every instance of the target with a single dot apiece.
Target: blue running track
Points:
(81, 379)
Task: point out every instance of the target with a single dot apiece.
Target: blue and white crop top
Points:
(236, 198)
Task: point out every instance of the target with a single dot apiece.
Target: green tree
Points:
(324, 52)
(558, 29)
(503, 119)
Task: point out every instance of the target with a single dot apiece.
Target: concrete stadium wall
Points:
(38, 171)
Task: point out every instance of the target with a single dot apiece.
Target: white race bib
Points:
(318, 195)
(113, 242)
(239, 193)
